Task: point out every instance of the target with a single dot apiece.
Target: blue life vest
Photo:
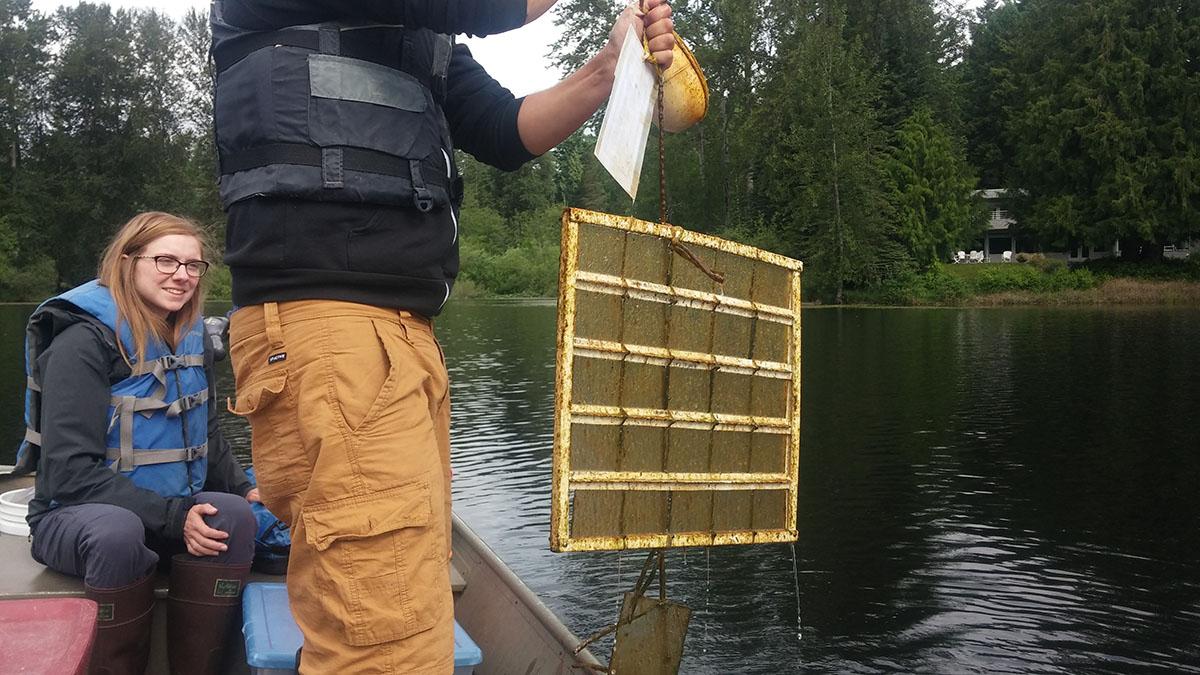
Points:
(272, 540)
(157, 417)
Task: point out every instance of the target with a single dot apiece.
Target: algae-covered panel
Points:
(689, 329)
(598, 316)
(772, 342)
(601, 250)
(733, 335)
(597, 381)
(676, 407)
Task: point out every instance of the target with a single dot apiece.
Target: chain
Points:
(662, 171)
(662, 152)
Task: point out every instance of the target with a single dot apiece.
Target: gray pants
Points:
(108, 546)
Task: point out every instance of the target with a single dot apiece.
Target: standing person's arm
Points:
(474, 17)
(497, 129)
(549, 117)
(75, 395)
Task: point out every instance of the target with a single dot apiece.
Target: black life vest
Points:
(334, 112)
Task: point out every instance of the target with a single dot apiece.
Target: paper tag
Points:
(622, 142)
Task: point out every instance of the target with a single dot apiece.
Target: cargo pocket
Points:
(280, 461)
(374, 573)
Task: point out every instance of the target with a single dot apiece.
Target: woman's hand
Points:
(201, 539)
(252, 496)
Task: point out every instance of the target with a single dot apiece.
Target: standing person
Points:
(131, 465)
(336, 124)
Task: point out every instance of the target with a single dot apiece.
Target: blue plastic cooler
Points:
(272, 637)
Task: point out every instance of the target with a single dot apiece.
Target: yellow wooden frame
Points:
(567, 481)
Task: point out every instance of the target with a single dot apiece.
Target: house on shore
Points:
(1003, 233)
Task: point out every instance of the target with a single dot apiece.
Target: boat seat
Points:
(25, 577)
(457, 583)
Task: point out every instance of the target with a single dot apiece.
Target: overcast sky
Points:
(517, 58)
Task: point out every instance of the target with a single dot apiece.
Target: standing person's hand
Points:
(201, 539)
(655, 24)
(252, 496)
(660, 31)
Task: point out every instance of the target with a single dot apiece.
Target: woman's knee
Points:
(235, 518)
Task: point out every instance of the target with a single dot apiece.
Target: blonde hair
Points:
(117, 270)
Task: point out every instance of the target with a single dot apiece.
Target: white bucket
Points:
(14, 506)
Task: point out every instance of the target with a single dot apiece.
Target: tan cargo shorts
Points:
(349, 412)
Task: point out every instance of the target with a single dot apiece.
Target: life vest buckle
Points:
(189, 401)
(423, 200)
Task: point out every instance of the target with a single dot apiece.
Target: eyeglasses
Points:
(170, 265)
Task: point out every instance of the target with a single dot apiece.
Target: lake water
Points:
(988, 490)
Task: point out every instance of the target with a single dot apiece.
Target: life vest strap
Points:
(353, 159)
(138, 405)
(160, 366)
(188, 402)
(360, 46)
(136, 458)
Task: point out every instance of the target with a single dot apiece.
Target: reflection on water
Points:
(985, 490)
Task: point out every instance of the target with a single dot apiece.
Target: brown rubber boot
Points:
(122, 645)
(203, 601)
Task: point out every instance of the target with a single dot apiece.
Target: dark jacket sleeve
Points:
(483, 114)
(474, 17)
(225, 474)
(77, 371)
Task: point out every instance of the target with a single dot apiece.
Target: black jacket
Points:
(282, 249)
(78, 369)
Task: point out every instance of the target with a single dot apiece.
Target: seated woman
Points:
(131, 465)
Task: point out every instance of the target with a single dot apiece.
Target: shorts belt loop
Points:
(274, 328)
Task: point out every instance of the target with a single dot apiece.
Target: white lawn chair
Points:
(977, 256)
(1006, 256)
(960, 257)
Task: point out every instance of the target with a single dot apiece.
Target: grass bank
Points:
(1041, 281)
(1120, 291)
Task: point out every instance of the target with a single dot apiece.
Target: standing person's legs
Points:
(105, 545)
(349, 413)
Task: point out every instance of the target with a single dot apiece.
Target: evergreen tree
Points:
(24, 35)
(196, 118)
(933, 186)
(912, 45)
(24, 39)
(585, 27)
(1107, 137)
(990, 91)
(732, 41)
(822, 176)
(114, 143)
